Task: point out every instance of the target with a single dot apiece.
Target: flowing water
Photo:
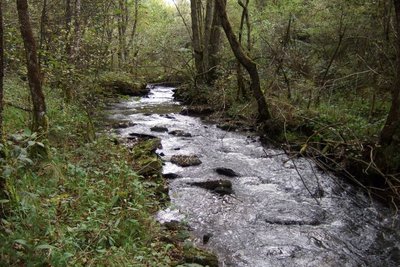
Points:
(270, 219)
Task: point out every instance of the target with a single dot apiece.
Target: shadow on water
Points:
(265, 216)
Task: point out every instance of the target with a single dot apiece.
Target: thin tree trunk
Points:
(68, 20)
(77, 31)
(245, 18)
(40, 123)
(122, 17)
(248, 63)
(214, 47)
(196, 40)
(207, 35)
(43, 32)
(134, 25)
(1, 75)
(241, 92)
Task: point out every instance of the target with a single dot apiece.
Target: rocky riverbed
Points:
(255, 206)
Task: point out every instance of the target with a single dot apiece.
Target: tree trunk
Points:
(77, 31)
(134, 27)
(43, 33)
(2, 139)
(1, 75)
(40, 122)
(248, 63)
(242, 90)
(195, 7)
(390, 133)
(214, 48)
(388, 156)
(122, 17)
(207, 35)
(68, 20)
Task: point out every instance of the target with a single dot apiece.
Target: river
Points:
(281, 211)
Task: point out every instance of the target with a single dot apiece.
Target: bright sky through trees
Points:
(169, 2)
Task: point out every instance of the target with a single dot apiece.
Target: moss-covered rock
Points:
(146, 162)
(122, 83)
(199, 256)
(148, 165)
(146, 147)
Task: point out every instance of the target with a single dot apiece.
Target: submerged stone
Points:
(159, 129)
(227, 172)
(206, 238)
(221, 187)
(171, 176)
(141, 136)
(123, 124)
(180, 133)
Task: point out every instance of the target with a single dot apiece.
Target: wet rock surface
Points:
(180, 133)
(221, 187)
(227, 172)
(122, 124)
(171, 176)
(271, 219)
(185, 160)
(159, 129)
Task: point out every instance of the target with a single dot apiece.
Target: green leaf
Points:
(27, 132)
(21, 242)
(68, 255)
(31, 143)
(7, 171)
(45, 246)
(4, 201)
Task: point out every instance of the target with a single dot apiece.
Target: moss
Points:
(148, 165)
(122, 83)
(146, 147)
(199, 256)
(146, 162)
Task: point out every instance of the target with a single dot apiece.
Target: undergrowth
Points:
(84, 205)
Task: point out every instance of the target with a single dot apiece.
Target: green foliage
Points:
(122, 83)
(84, 205)
(16, 96)
(146, 162)
(88, 208)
